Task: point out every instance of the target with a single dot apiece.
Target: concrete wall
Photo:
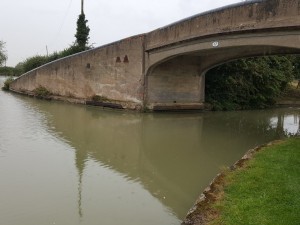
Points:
(175, 81)
(114, 71)
(245, 16)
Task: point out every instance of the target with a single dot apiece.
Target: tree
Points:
(3, 56)
(34, 62)
(82, 33)
(248, 83)
(296, 65)
(81, 44)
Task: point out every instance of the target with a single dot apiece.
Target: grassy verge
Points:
(266, 191)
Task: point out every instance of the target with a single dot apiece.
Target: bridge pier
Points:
(176, 84)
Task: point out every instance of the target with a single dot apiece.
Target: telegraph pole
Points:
(82, 2)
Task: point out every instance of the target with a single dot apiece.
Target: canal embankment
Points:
(261, 188)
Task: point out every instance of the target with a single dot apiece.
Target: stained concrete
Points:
(114, 72)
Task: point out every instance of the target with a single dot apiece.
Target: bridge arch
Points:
(175, 78)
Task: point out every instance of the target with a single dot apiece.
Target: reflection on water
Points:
(129, 168)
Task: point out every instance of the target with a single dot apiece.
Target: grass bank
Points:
(265, 191)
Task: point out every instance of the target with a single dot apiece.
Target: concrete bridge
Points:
(165, 68)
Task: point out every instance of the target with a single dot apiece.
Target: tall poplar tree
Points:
(3, 56)
(83, 30)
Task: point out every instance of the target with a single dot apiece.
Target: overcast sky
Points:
(28, 26)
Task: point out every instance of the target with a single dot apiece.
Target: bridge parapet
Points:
(245, 16)
(112, 74)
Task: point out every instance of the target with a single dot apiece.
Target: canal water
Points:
(78, 165)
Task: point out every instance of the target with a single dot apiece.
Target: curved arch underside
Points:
(175, 78)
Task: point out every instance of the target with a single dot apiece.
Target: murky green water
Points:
(72, 164)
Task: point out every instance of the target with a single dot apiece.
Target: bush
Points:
(7, 83)
(34, 62)
(248, 83)
(38, 60)
(41, 92)
(7, 71)
(296, 65)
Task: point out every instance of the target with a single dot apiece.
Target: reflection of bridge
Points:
(160, 152)
(166, 67)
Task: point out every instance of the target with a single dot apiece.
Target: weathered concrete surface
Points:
(253, 15)
(176, 81)
(247, 29)
(103, 71)
(166, 67)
